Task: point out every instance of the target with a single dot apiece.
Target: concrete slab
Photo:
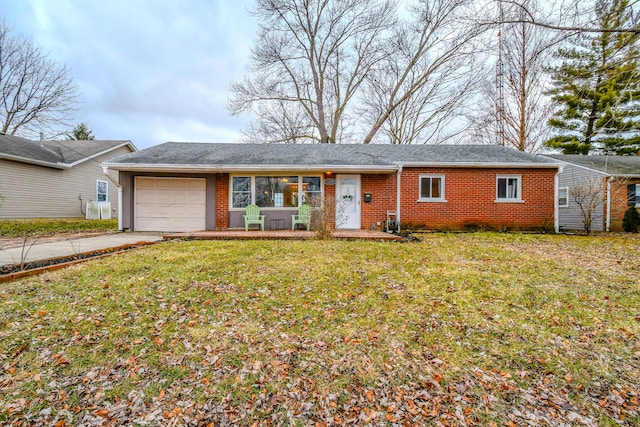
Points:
(36, 251)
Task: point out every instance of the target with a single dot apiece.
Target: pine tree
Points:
(597, 88)
(81, 133)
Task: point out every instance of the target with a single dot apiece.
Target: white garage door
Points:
(170, 204)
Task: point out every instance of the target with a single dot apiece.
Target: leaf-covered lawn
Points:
(459, 329)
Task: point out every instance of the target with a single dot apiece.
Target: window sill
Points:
(264, 209)
(508, 201)
(431, 201)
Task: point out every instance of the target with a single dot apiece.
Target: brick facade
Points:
(619, 201)
(222, 201)
(383, 199)
(470, 195)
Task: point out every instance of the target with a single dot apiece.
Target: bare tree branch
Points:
(36, 94)
(529, 18)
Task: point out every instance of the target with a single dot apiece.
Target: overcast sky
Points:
(148, 71)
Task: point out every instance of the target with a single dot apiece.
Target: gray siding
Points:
(30, 191)
(575, 177)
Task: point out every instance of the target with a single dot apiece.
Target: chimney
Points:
(41, 141)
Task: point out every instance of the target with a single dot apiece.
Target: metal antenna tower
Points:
(500, 83)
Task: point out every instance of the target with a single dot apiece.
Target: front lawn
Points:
(46, 227)
(459, 329)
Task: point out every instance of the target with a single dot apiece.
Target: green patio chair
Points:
(252, 216)
(303, 217)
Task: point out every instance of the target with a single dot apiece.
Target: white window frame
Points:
(637, 205)
(106, 190)
(518, 198)
(566, 198)
(442, 188)
(253, 189)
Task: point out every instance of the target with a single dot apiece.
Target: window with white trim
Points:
(633, 195)
(102, 190)
(508, 188)
(269, 191)
(241, 187)
(431, 188)
(563, 197)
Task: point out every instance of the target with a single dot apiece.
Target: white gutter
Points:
(35, 162)
(105, 171)
(398, 193)
(513, 165)
(133, 167)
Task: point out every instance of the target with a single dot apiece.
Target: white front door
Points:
(348, 201)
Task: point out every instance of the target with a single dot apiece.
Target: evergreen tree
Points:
(597, 88)
(81, 133)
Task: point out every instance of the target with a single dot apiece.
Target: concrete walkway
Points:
(40, 251)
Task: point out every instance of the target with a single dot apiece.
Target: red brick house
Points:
(198, 186)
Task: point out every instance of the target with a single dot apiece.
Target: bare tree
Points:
(589, 196)
(517, 109)
(425, 75)
(326, 70)
(36, 94)
(311, 58)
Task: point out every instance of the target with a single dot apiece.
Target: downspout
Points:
(608, 220)
(117, 184)
(398, 192)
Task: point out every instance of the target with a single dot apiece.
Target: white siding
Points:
(30, 191)
(574, 177)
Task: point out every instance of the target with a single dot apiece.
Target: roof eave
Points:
(625, 175)
(491, 165)
(135, 167)
(93, 156)
(34, 162)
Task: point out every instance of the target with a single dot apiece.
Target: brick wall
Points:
(383, 198)
(222, 201)
(619, 201)
(470, 200)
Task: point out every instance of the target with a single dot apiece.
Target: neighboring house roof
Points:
(622, 166)
(56, 154)
(175, 156)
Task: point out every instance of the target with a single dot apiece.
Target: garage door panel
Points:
(170, 204)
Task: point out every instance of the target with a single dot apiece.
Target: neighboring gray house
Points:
(606, 185)
(56, 179)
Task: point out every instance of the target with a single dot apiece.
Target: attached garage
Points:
(170, 204)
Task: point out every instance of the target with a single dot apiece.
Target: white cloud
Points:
(146, 67)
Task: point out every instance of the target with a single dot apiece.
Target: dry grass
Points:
(46, 227)
(467, 328)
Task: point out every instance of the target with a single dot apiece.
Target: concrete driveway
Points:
(40, 251)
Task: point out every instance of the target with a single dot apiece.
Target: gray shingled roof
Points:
(178, 155)
(612, 165)
(58, 154)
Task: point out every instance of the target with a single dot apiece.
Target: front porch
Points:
(282, 235)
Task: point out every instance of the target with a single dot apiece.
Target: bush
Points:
(631, 220)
